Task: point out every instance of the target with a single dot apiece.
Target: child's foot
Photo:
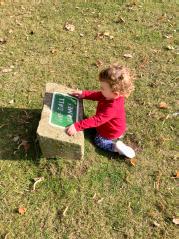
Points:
(123, 149)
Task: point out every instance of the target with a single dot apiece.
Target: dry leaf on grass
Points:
(168, 36)
(128, 56)
(69, 27)
(176, 175)
(94, 196)
(3, 40)
(37, 180)
(163, 105)
(11, 102)
(99, 63)
(53, 50)
(106, 33)
(18, 23)
(120, 20)
(102, 35)
(133, 162)
(156, 224)
(22, 210)
(65, 211)
(6, 70)
(100, 200)
(169, 47)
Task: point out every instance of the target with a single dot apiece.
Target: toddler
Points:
(116, 84)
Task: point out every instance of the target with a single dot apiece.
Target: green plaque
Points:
(64, 110)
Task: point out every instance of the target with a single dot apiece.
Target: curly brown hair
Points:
(119, 78)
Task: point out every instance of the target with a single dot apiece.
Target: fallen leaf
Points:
(53, 50)
(102, 35)
(22, 210)
(65, 211)
(100, 200)
(94, 196)
(3, 40)
(168, 36)
(176, 221)
(69, 27)
(128, 56)
(163, 105)
(177, 174)
(169, 47)
(11, 102)
(6, 70)
(99, 63)
(106, 33)
(156, 224)
(37, 180)
(99, 36)
(133, 162)
(120, 20)
(18, 23)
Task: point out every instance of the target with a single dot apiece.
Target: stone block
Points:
(53, 140)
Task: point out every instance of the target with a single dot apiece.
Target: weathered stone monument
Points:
(60, 110)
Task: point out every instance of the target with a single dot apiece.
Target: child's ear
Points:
(116, 95)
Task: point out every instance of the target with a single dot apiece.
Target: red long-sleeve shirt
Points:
(110, 118)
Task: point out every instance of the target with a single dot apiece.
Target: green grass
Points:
(104, 197)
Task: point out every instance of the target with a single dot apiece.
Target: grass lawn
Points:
(103, 196)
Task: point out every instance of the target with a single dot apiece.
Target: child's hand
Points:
(71, 130)
(77, 93)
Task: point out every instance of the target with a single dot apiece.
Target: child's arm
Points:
(91, 122)
(92, 95)
(88, 94)
(96, 120)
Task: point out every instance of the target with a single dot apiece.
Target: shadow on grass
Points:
(18, 139)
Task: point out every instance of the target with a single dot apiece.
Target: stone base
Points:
(54, 141)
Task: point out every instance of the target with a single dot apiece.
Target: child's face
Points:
(107, 92)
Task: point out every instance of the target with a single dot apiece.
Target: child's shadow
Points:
(90, 135)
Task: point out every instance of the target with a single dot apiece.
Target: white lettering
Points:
(70, 110)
